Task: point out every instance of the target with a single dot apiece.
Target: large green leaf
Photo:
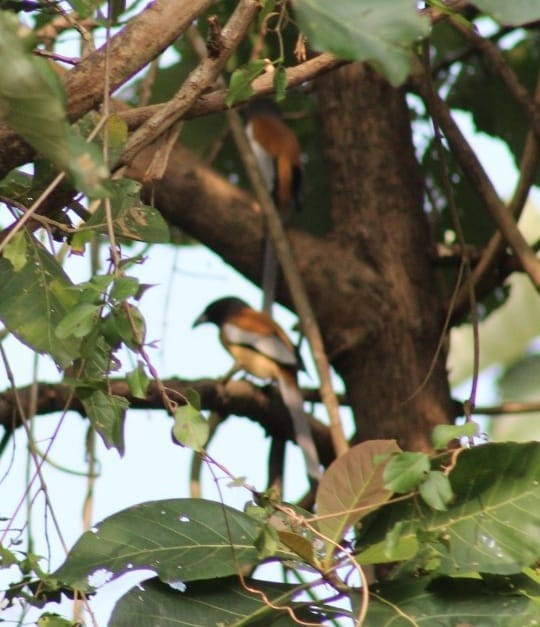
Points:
(493, 526)
(180, 539)
(217, 602)
(512, 13)
(352, 487)
(32, 103)
(446, 603)
(34, 299)
(380, 32)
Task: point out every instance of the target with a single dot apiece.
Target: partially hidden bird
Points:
(277, 150)
(262, 348)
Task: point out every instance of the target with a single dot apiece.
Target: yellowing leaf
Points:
(351, 488)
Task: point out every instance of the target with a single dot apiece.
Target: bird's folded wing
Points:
(269, 345)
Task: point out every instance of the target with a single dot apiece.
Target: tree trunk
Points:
(377, 212)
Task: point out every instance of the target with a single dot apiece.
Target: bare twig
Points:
(476, 174)
(491, 256)
(499, 66)
(430, 97)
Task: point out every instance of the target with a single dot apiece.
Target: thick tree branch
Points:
(262, 86)
(143, 38)
(242, 398)
(199, 80)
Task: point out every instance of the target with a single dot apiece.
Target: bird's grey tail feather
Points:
(269, 278)
(293, 400)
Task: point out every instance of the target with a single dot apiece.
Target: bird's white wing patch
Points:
(266, 161)
(269, 345)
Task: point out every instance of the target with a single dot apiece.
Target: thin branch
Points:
(510, 407)
(199, 80)
(262, 405)
(141, 40)
(476, 174)
(503, 70)
(262, 86)
(296, 286)
(430, 96)
(491, 257)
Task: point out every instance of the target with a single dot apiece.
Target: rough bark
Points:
(377, 215)
(369, 278)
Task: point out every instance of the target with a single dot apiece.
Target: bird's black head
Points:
(219, 310)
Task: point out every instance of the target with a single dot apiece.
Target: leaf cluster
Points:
(455, 553)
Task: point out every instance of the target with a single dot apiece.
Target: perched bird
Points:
(261, 347)
(278, 153)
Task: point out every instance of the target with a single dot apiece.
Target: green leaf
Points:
(190, 427)
(32, 102)
(125, 287)
(84, 8)
(445, 602)
(179, 539)
(280, 82)
(117, 8)
(494, 525)
(79, 322)
(436, 490)
(16, 184)
(217, 602)
(267, 542)
(380, 32)
(303, 547)
(193, 397)
(16, 251)
(49, 619)
(119, 326)
(443, 434)
(131, 218)
(97, 360)
(7, 558)
(405, 471)
(491, 526)
(138, 381)
(241, 79)
(34, 300)
(351, 488)
(513, 13)
(106, 413)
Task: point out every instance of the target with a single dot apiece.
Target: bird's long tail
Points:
(269, 277)
(293, 400)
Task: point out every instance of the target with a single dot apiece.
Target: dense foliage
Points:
(450, 535)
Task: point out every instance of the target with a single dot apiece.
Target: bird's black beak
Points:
(200, 320)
